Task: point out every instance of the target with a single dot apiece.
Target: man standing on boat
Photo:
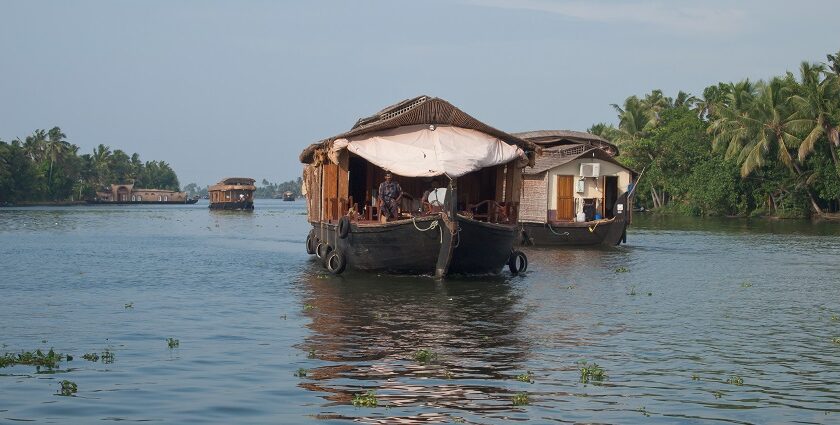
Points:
(390, 193)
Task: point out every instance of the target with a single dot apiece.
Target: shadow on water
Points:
(367, 329)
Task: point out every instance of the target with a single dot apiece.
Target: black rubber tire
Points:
(518, 262)
(322, 250)
(335, 262)
(311, 243)
(343, 227)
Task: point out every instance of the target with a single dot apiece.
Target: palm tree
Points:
(102, 164)
(817, 110)
(753, 127)
(55, 150)
(634, 120)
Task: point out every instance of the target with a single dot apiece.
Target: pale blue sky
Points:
(223, 88)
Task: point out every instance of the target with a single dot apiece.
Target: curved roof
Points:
(418, 110)
(555, 158)
(552, 138)
(237, 180)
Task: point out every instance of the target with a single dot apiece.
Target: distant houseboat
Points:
(576, 193)
(233, 193)
(128, 194)
(288, 196)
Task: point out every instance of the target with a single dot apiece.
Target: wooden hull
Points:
(413, 247)
(481, 247)
(570, 234)
(607, 232)
(246, 205)
(396, 247)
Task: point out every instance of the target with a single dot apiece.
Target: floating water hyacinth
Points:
(367, 399)
(521, 399)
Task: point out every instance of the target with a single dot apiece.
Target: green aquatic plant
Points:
(425, 356)
(717, 394)
(367, 399)
(735, 380)
(644, 411)
(570, 287)
(521, 399)
(835, 340)
(307, 307)
(129, 305)
(526, 377)
(650, 294)
(591, 372)
(301, 373)
(173, 343)
(695, 377)
(107, 356)
(311, 353)
(68, 388)
(91, 357)
(835, 318)
(632, 291)
(746, 285)
(622, 270)
(36, 358)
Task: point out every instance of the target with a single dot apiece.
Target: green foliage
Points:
(172, 343)
(36, 358)
(745, 148)
(68, 388)
(526, 377)
(425, 356)
(735, 380)
(45, 167)
(275, 190)
(301, 373)
(91, 357)
(521, 399)
(591, 372)
(367, 399)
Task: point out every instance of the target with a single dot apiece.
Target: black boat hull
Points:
(600, 232)
(412, 247)
(97, 202)
(245, 205)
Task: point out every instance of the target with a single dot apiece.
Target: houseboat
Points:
(577, 193)
(458, 199)
(288, 195)
(233, 193)
(127, 194)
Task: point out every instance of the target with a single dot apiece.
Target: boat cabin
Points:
(576, 178)
(233, 193)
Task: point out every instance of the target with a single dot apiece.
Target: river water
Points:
(694, 321)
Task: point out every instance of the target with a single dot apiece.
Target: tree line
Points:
(46, 167)
(742, 148)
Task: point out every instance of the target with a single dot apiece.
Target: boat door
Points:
(610, 195)
(565, 198)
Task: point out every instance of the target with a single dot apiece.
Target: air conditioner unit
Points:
(590, 169)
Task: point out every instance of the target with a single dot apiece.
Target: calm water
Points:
(702, 302)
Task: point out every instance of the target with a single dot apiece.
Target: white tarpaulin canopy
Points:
(425, 151)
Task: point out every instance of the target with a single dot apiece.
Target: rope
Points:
(433, 225)
(558, 234)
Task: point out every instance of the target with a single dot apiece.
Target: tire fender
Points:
(517, 262)
(322, 250)
(311, 243)
(343, 227)
(335, 262)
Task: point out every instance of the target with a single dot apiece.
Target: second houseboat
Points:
(233, 193)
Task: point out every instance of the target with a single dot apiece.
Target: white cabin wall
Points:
(592, 187)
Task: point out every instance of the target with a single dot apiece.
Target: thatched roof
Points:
(557, 157)
(419, 110)
(551, 138)
(234, 183)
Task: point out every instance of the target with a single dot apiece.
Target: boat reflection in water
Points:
(367, 330)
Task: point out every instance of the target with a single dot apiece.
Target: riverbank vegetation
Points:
(45, 167)
(741, 148)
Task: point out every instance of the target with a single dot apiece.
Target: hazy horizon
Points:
(222, 88)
